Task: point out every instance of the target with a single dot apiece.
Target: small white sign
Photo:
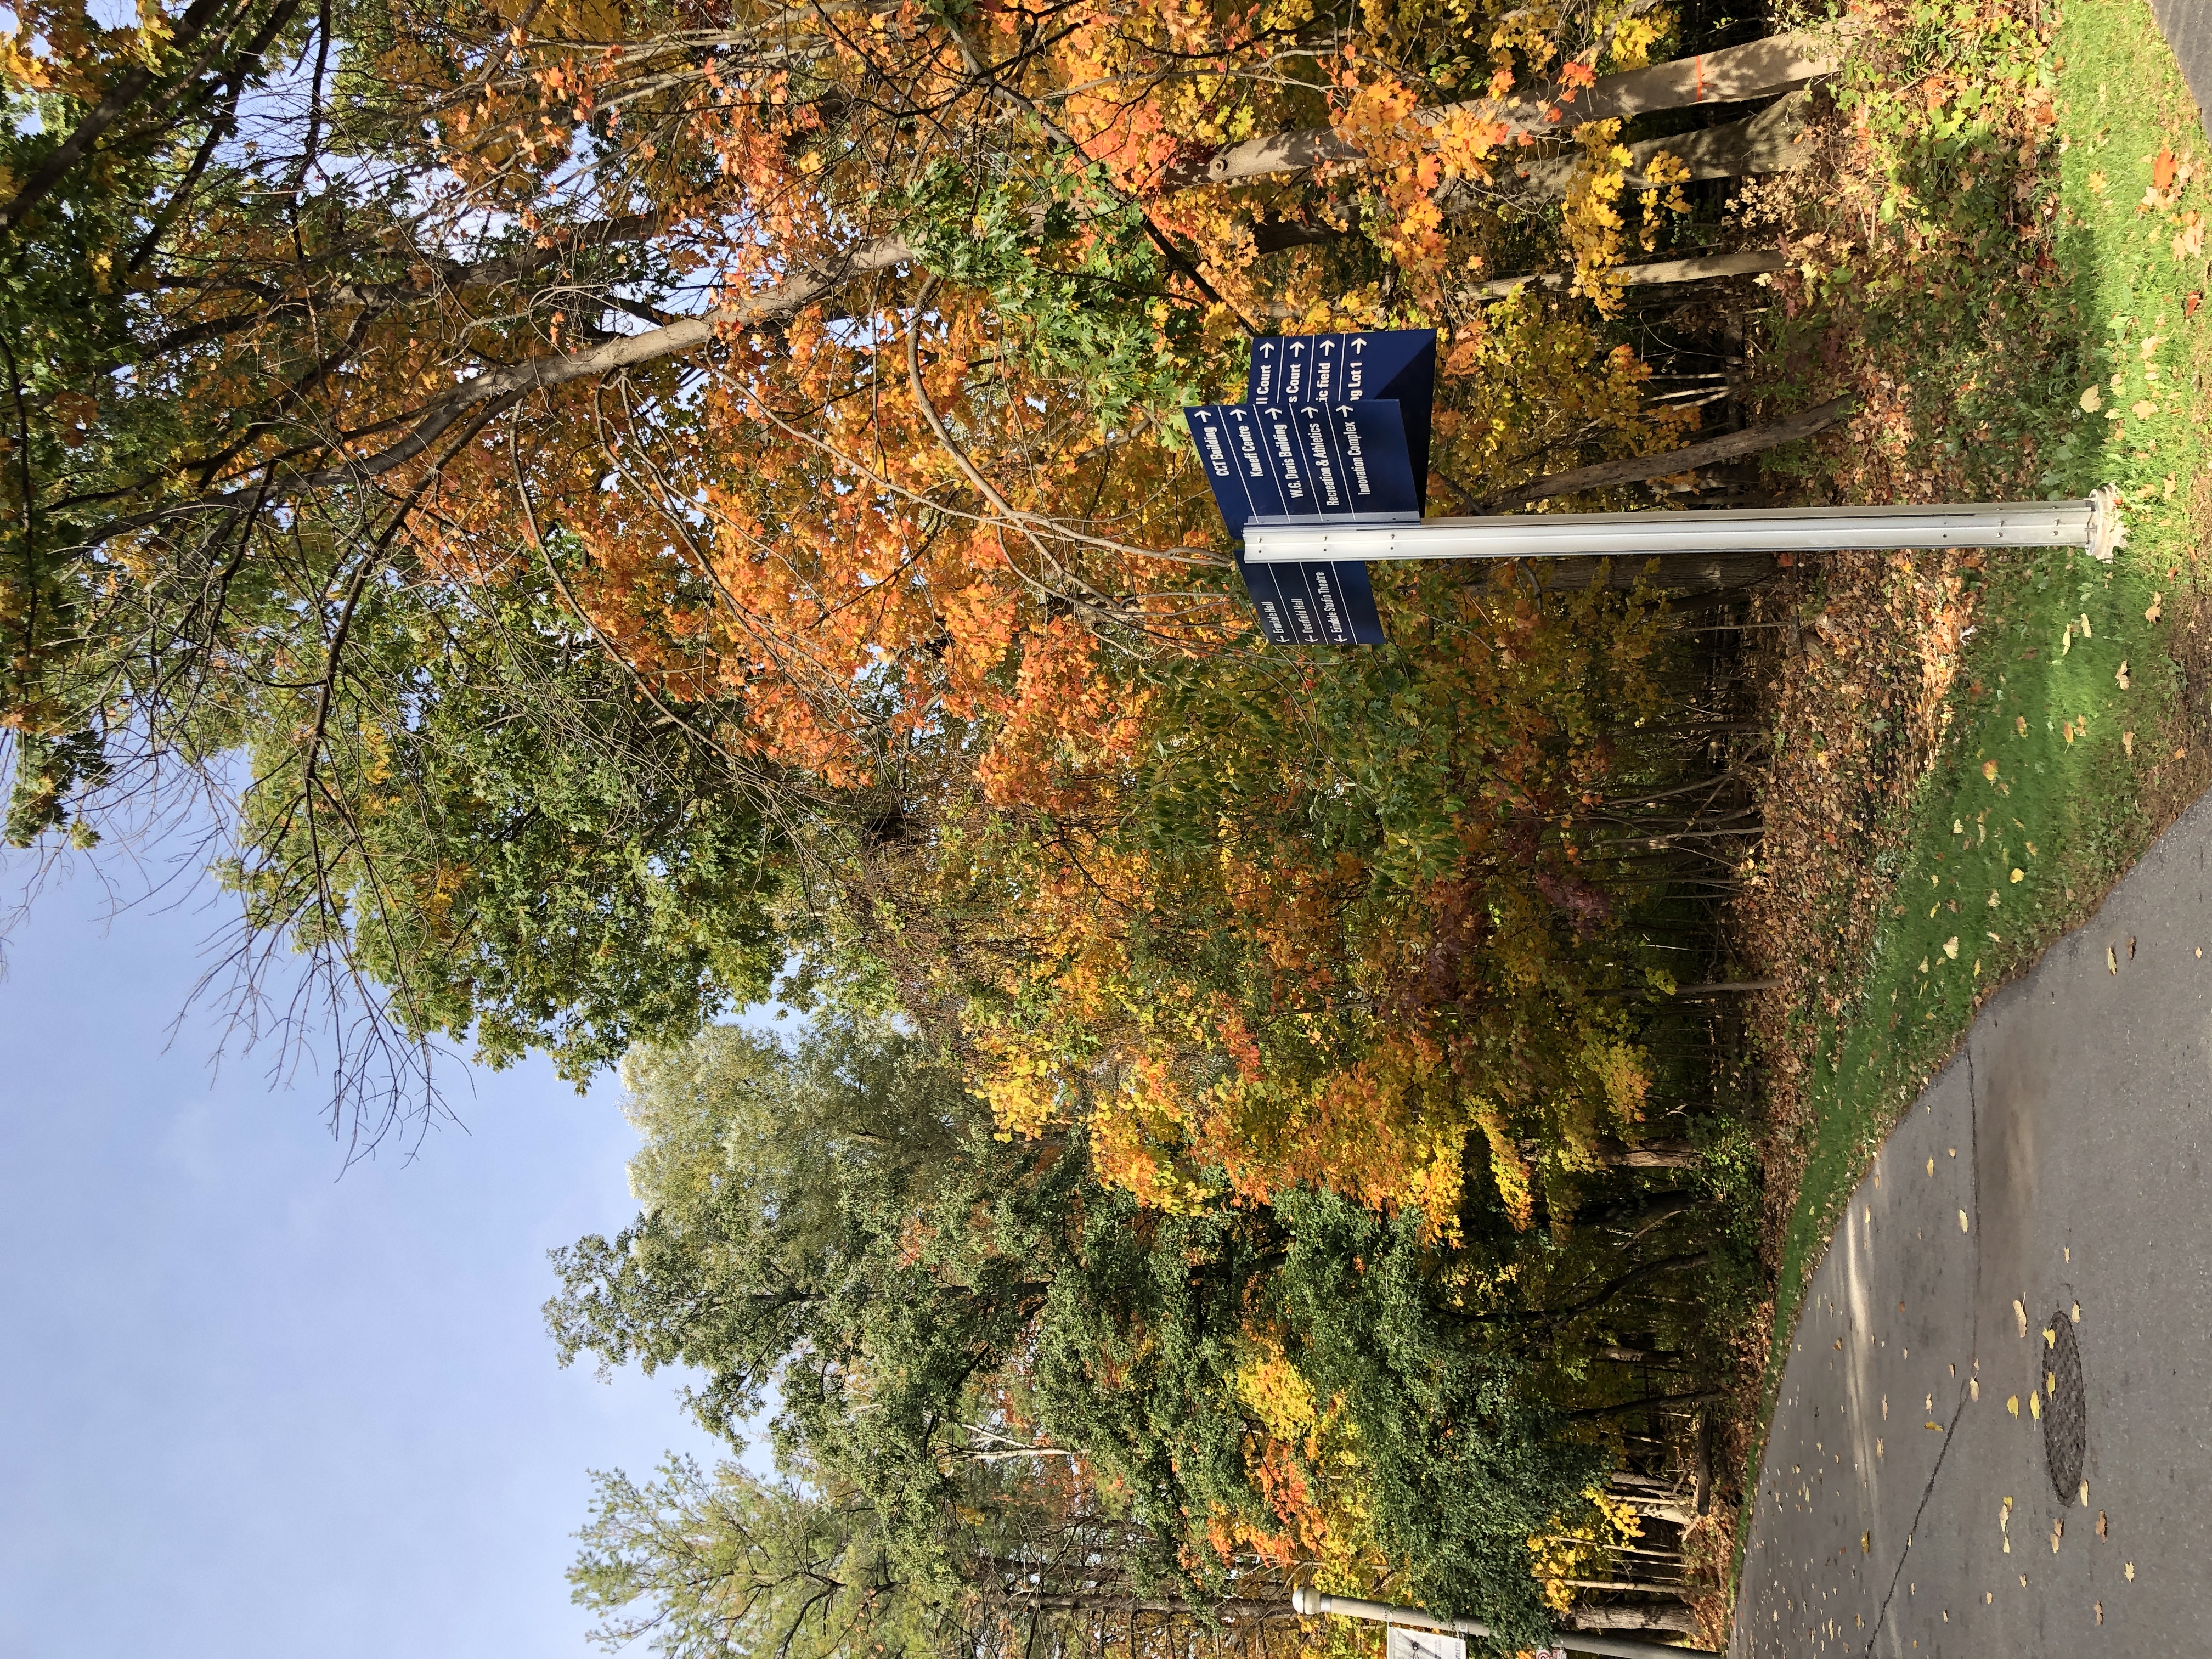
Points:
(1425, 1644)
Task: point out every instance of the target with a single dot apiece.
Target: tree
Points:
(726, 1564)
(979, 1335)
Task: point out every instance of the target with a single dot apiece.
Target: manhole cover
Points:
(2065, 1411)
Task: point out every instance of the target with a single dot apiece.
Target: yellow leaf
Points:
(1990, 771)
(2013, 1405)
(2144, 408)
(2085, 625)
(2128, 743)
(1951, 947)
(2020, 875)
(2131, 1571)
(1962, 1221)
(2092, 400)
(2020, 1313)
(2035, 1406)
(2111, 961)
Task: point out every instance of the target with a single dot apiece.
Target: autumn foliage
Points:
(659, 498)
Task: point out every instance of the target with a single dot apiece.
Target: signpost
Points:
(1333, 430)
(1325, 467)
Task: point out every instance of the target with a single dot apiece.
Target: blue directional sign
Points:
(1275, 463)
(1399, 364)
(1335, 429)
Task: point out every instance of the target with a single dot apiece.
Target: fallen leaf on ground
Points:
(2128, 743)
(1990, 771)
(2020, 1313)
(1951, 947)
(2121, 674)
(2020, 875)
(2157, 608)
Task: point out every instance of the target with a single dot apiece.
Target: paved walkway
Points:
(2187, 26)
(1995, 1428)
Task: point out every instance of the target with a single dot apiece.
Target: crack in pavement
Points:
(1950, 1433)
(1973, 1338)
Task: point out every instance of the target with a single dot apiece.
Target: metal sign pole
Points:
(2092, 524)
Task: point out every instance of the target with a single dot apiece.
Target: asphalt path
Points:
(1994, 1433)
(2187, 26)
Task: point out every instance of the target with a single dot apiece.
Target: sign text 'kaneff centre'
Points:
(1333, 430)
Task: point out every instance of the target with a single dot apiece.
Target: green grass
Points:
(2068, 817)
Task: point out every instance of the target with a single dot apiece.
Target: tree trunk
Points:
(1760, 69)
(1772, 141)
(1712, 452)
(1654, 1615)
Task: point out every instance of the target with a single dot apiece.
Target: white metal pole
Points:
(1312, 1603)
(2092, 524)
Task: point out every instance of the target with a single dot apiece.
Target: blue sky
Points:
(256, 1403)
